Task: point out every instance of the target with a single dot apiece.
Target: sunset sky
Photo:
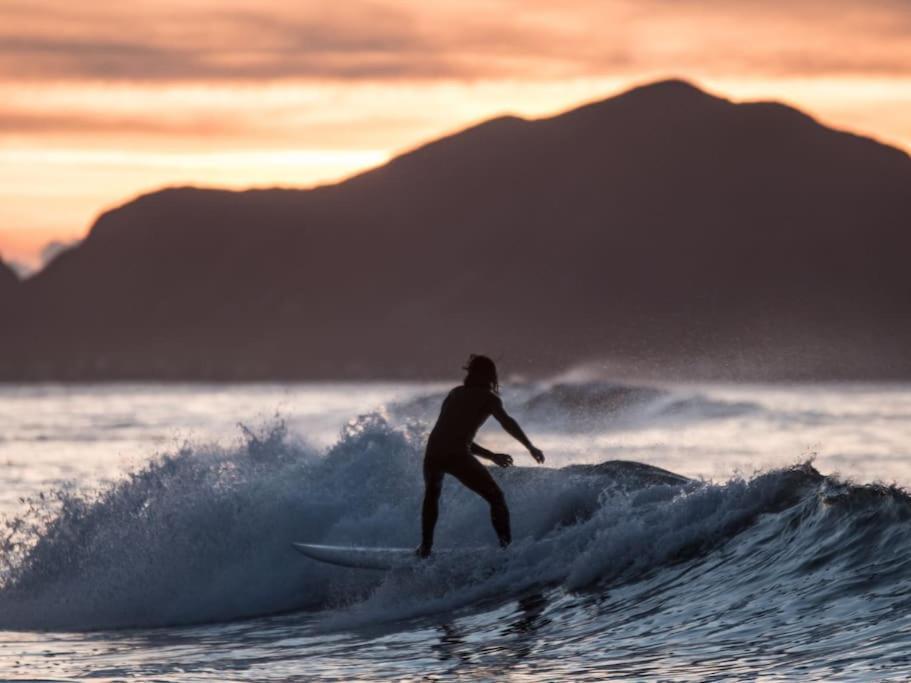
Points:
(100, 101)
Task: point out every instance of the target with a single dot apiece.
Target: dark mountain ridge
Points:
(9, 282)
(664, 231)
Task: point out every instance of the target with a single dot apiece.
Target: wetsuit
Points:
(449, 451)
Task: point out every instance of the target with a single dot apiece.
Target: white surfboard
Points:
(357, 557)
(369, 558)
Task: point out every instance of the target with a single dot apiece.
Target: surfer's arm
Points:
(501, 459)
(514, 430)
(480, 451)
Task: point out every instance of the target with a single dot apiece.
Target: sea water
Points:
(145, 534)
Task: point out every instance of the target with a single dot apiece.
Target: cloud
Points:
(227, 41)
(236, 40)
(143, 117)
(14, 121)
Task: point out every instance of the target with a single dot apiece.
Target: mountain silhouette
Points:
(662, 231)
(9, 284)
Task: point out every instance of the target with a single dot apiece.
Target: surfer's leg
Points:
(476, 477)
(433, 487)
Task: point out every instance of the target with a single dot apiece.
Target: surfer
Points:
(451, 449)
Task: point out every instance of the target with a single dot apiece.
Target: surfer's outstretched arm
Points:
(514, 430)
(501, 459)
(479, 450)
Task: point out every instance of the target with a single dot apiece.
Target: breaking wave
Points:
(203, 534)
(592, 405)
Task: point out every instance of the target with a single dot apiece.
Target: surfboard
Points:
(358, 557)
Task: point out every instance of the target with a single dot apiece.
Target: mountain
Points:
(9, 284)
(664, 230)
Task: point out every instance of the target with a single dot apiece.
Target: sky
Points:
(102, 101)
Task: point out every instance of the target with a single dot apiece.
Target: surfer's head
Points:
(482, 371)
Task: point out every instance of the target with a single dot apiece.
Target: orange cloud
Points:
(372, 40)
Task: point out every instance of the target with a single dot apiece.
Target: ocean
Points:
(675, 532)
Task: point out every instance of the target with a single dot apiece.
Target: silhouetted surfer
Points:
(451, 448)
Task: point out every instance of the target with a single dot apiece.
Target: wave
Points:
(203, 535)
(591, 405)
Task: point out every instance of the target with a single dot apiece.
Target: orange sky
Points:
(100, 101)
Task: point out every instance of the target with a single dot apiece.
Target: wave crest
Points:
(203, 534)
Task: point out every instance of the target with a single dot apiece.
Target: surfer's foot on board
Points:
(423, 551)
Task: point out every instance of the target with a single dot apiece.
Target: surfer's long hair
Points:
(482, 371)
